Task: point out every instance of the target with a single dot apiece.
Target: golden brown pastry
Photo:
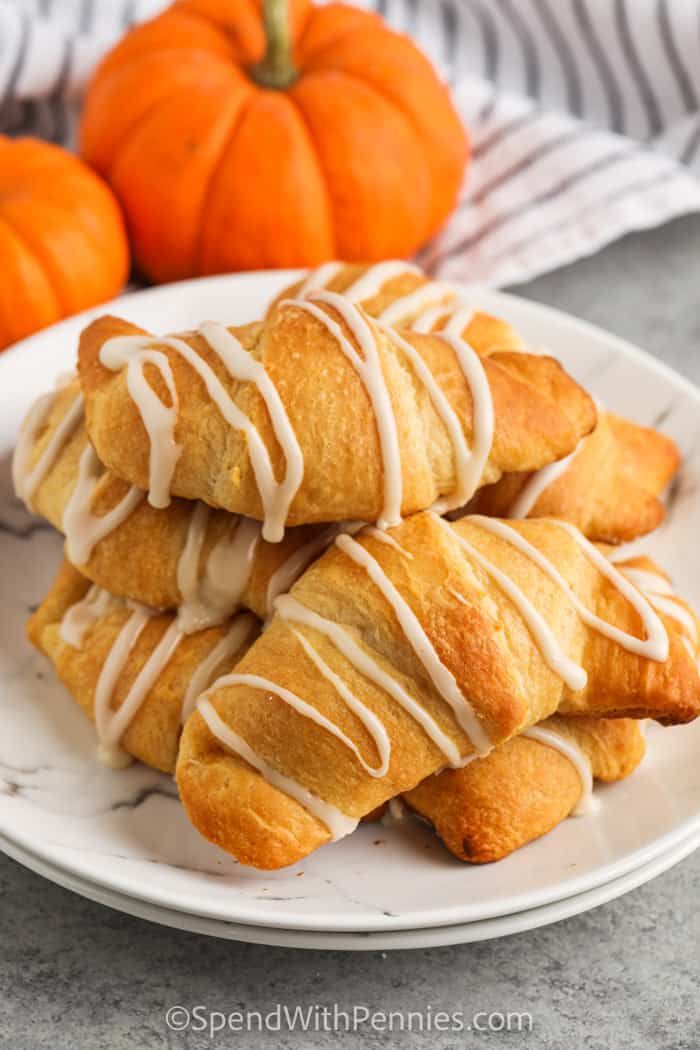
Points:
(399, 294)
(609, 487)
(131, 670)
(525, 787)
(320, 415)
(206, 561)
(399, 653)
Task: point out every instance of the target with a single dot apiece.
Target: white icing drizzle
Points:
(396, 809)
(290, 609)
(385, 538)
(647, 581)
(111, 725)
(441, 677)
(675, 611)
(81, 616)
(459, 320)
(367, 285)
(369, 369)
(209, 597)
(255, 681)
(469, 462)
(396, 812)
(370, 283)
(27, 481)
(426, 320)
(660, 593)
(319, 278)
(415, 302)
(539, 482)
(159, 419)
(483, 421)
(188, 562)
(83, 529)
(291, 569)
(229, 567)
(338, 824)
(552, 652)
(577, 758)
(276, 496)
(653, 647)
(462, 453)
(373, 725)
(235, 638)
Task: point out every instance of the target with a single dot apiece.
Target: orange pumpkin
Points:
(63, 245)
(237, 140)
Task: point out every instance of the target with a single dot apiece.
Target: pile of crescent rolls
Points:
(358, 559)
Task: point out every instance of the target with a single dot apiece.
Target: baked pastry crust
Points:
(479, 636)
(524, 788)
(540, 415)
(152, 736)
(486, 333)
(610, 489)
(140, 556)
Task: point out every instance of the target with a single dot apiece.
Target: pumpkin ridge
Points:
(31, 251)
(147, 113)
(44, 261)
(214, 114)
(391, 103)
(132, 60)
(119, 56)
(369, 18)
(343, 34)
(371, 86)
(319, 163)
(191, 13)
(89, 233)
(381, 86)
(236, 119)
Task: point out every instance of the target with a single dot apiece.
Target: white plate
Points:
(430, 937)
(125, 831)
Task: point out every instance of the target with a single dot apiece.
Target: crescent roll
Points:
(320, 415)
(523, 788)
(608, 487)
(400, 294)
(398, 653)
(527, 786)
(134, 674)
(205, 562)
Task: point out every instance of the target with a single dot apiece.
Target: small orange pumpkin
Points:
(237, 139)
(63, 245)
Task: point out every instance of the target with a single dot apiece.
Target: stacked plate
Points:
(121, 838)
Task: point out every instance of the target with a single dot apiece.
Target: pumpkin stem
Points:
(277, 69)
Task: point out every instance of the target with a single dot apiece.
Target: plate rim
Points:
(413, 938)
(420, 919)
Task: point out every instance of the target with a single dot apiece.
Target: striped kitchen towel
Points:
(584, 114)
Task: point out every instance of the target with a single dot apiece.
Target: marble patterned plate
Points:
(125, 831)
(378, 940)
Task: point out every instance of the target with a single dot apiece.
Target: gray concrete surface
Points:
(77, 975)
